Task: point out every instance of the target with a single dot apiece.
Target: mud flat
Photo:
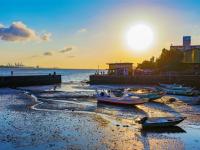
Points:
(43, 119)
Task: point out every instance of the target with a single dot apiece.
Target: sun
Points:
(140, 37)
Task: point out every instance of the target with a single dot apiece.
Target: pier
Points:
(187, 80)
(17, 81)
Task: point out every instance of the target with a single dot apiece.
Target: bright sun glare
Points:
(139, 37)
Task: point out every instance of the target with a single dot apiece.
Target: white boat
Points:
(150, 96)
(177, 92)
(175, 87)
(124, 100)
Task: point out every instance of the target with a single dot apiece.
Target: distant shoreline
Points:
(5, 67)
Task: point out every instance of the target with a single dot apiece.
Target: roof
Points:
(182, 47)
(127, 63)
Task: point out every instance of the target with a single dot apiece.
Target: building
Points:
(120, 69)
(191, 52)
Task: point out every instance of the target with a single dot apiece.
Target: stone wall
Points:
(16, 81)
(187, 80)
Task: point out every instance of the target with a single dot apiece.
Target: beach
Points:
(67, 116)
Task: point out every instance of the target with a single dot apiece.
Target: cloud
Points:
(48, 54)
(34, 56)
(51, 53)
(18, 32)
(66, 50)
(71, 56)
(46, 36)
(83, 30)
(1, 25)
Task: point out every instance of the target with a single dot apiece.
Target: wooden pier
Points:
(17, 81)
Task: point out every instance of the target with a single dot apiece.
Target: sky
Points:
(90, 33)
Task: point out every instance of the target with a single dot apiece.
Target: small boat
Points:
(150, 96)
(124, 100)
(175, 87)
(148, 93)
(177, 92)
(152, 122)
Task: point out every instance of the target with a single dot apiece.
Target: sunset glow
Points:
(139, 37)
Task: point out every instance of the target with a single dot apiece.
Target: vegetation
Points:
(169, 60)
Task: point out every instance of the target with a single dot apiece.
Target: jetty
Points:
(31, 80)
(122, 73)
(187, 80)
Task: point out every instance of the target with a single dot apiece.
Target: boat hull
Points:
(155, 124)
(152, 97)
(176, 92)
(175, 87)
(120, 101)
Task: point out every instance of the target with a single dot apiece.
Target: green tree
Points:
(169, 60)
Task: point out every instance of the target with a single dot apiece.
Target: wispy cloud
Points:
(1, 25)
(46, 36)
(82, 30)
(18, 32)
(34, 56)
(48, 54)
(66, 50)
(52, 53)
(71, 56)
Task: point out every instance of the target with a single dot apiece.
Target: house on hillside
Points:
(191, 52)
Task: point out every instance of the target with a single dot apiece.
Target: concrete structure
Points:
(17, 81)
(120, 69)
(191, 52)
(187, 80)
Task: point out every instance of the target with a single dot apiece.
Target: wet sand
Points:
(70, 118)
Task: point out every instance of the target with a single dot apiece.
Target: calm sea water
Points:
(68, 75)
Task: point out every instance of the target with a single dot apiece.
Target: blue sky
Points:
(94, 28)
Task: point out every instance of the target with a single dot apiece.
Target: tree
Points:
(169, 60)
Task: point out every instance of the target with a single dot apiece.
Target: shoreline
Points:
(99, 126)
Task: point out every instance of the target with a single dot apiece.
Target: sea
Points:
(68, 75)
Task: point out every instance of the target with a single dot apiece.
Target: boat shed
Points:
(120, 69)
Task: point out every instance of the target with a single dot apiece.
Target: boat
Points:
(175, 87)
(124, 100)
(154, 122)
(150, 96)
(177, 92)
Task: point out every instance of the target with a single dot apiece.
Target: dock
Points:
(187, 80)
(32, 80)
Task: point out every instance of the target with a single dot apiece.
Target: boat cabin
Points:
(120, 69)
